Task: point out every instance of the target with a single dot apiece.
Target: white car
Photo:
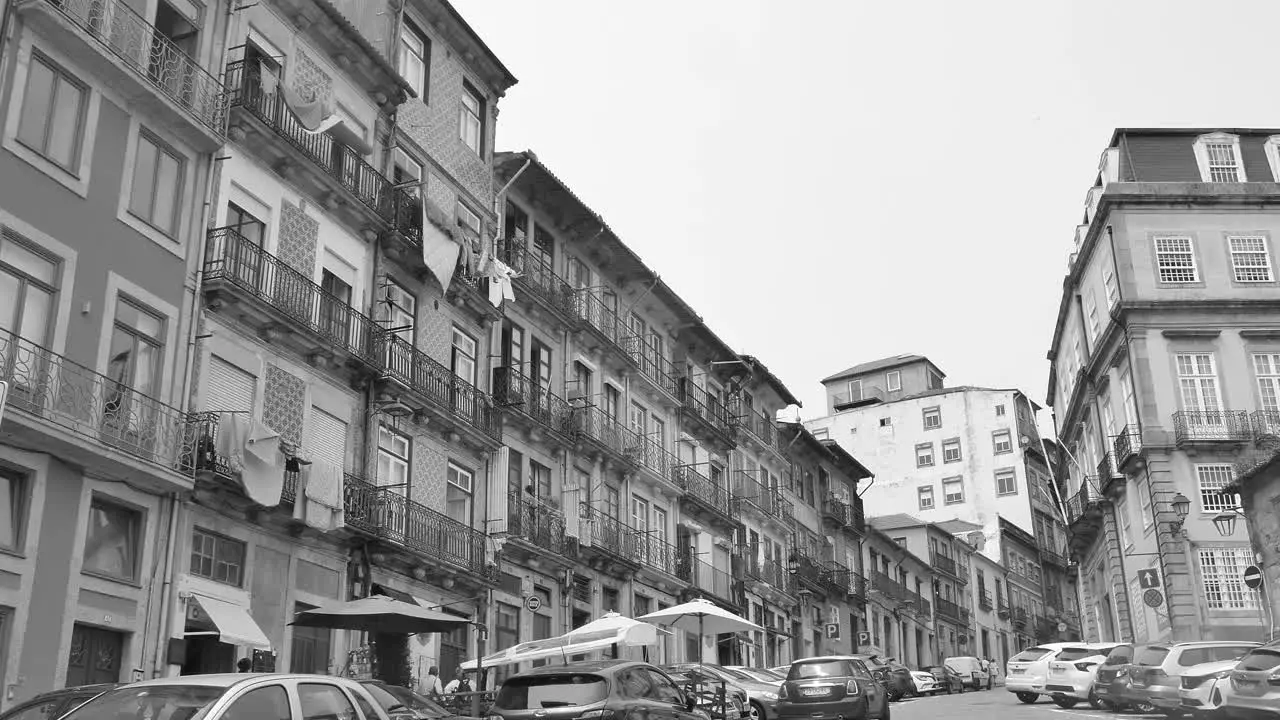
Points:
(1205, 687)
(925, 683)
(1073, 672)
(1027, 672)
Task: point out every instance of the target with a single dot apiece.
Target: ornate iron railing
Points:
(653, 363)
(655, 458)
(776, 575)
(592, 422)
(537, 275)
(360, 503)
(704, 576)
(1127, 444)
(749, 491)
(702, 490)
(429, 533)
(984, 599)
(763, 427)
(951, 610)
(152, 55)
(887, 586)
(592, 310)
(1019, 615)
(945, 564)
(1048, 553)
(1266, 423)
(1211, 425)
(608, 533)
(655, 553)
(365, 183)
(406, 203)
(706, 407)
(835, 578)
(96, 407)
(1107, 467)
(1083, 501)
(857, 587)
(232, 258)
(806, 567)
(917, 600)
(838, 511)
(428, 377)
(859, 520)
(535, 522)
(514, 389)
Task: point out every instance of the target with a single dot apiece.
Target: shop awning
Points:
(235, 625)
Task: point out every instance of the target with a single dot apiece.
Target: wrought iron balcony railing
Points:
(704, 576)
(706, 408)
(604, 319)
(1191, 426)
(1052, 554)
(1107, 468)
(835, 577)
(653, 364)
(535, 522)
(807, 567)
(655, 553)
(106, 411)
(1128, 444)
(702, 490)
(836, 510)
(655, 458)
(537, 276)
(234, 259)
(763, 428)
(944, 563)
(1020, 616)
(388, 514)
(343, 164)
(593, 423)
(402, 361)
(360, 503)
(984, 599)
(917, 601)
(857, 588)
(609, 534)
(152, 55)
(748, 492)
(858, 521)
(1084, 501)
(887, 586)
(514, 389)
(1266, 423)
(777, 575)
(951, 610)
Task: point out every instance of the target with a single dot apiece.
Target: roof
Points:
(772, 381)
(896, 521)
(843, 461)
(507, 78)
(881, 364)
(844, 457)
(1118, 132)
(957, 526)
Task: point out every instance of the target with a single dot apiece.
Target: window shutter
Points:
(328, 439)
(498, 490)
(228, 388)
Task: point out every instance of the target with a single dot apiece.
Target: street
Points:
(997, 704)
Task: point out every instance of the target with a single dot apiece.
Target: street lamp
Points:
(1181, 506)
(1225, 521)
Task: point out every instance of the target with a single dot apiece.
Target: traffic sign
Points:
(1149, 579)
(1253, 576)
(1153, 598)
(864, 638)
(532, 603)
(1062, 627)
(833, 631)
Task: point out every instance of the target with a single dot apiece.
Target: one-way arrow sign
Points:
(1253, 576)
(1149, 579)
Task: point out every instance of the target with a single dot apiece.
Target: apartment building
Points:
(992, 626)
(112, 113)
(899, 616)
(1162, 377)
(954, 453)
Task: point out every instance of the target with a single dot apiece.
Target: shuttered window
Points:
(328, 438)
(229, 388)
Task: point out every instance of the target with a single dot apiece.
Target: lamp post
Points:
(1181, 506)
(1225, 521)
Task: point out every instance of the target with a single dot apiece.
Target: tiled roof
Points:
(895, 521)
(880, 364)
(955, 527)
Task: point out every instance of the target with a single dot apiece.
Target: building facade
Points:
(1162, 379)
(899, 615)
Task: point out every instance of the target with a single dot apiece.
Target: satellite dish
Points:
(1024, 440)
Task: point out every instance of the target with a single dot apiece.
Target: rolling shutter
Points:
(229, 389)
(328, 437)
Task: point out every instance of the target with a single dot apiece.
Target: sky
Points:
(831, 182)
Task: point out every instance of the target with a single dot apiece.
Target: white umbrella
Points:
(611, 629)
(701, 616)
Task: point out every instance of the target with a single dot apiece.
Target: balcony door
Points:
(1198, 383)
(28, 295)
(334, 305)
(640, 522)
(241, 254)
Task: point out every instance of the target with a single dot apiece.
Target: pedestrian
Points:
(245, 665)
(459, 684)
(433, 686)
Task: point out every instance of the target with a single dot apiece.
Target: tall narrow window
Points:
(401, 307)
(457, 501)
(1198, 382)
(471, 118)
(512, 345)
(1266, 367)
(1176, 260)
(28, 288)
(1091, 309)
(335, 306)
(137, 349)
(462, 357)
(393, 460)
(244, 223)
(540, 364)
(13, 509)
(157, 184)
(53, 113)
(582, 379)
(611, 399)
(405, 170)
(1250, 260)
(540, 479)
(415, 52)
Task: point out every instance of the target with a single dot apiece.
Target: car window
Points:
(1074, 653)
(366, 709)
(859, 669)
(1120, 655)
(264, 703)
(820, 669)
(1263, 658)
(149, 702)
(551, 691)
(1151, 655)
(664, 690)
(322, 701)
(390, 703)
(37, 711)
(1030, 654)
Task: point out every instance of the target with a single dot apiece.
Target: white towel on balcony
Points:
(315, 117)
(323, 492)
(439, 252)
(263, 472)
(233, 431)
(500, 287)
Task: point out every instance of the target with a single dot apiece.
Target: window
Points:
(310, 647)
(581, 379)
(935, 380)
(951, 450)
(1266, 366)
(415, 52)
(1109, 282)
(13, 510)
(855, 391)
(540, 363)
(322, 701)
(1002, 441)
(1212, 479)
(111, 542)
(406, 169)
(457, 500)
(1176, 260)
(886, 422)
(137, 347)
(893, 381)
(217, 558)
(1222, 571)
(157, 184)
(53, 113)
(393, 460)
(1006, 482)
(264, 703)
(540, 479)
(1148, 509)
(1250, 260)
(611, 399)
(1218, 156)
(243, 222)
(932, 418)
(28, 288)
(462, 359)
(1091, 309)
(953, 490)
(466, 218)
(401, 307)
(472, 118)
(1198, 382)
(924, 455)
(1000, 411)
(925, 493)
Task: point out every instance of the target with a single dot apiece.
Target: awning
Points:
(395, 594)
(235, 626)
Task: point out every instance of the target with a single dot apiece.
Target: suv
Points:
(1156, 673)
(1255, 683)
(836, 687)
(972, 670)
(1073, 673)
(1027, 672)
(608, 688)
(1112, 683)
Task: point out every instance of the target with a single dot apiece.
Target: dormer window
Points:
(1218, 156)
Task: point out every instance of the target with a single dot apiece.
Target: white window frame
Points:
(1147, 503)
(1002, 447)
(893, 381)
(924, 497)
(1091, 310)
(1175, 252)
(392, 452)
(1266, 370)
(1126, 522)
(959, 450)
(933, 459)
(471, 120)
(936, 413)
(1210, 479)
(957, 481)
(1206, 394)
(419, 58)
(1222, 568)
(472, 355)
(454, 473)
(1272, 149)
(175, 243)
(1237, 255)
(850, 388)
(1109, 282)
(1006, 474)
(1201, 148)
(119, 288)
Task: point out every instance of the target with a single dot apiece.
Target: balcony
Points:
(319, 164)
(837, 512)
(706, 416)
(1003, 610)
(285, 307)
(1108, 474)
(406, 525)
(1266, 424)
(984, 600)
(537, 284)
(89, 420)
(608, 436)
(848, 401)
(534, 524)
(655, 459)
(656, 554)
(777, 576)
(703, 497)
(1053, 555)
(1211, 427)
(888, 587)
(763, 429)
(808, 571)
(608, 539)
(950, 610)
(429, 388)
(945, 564)
(857, 587)
(1084, 513)
(544, 410)
(835, 579)
(1128, 445)
(606, 332)
(1019, 616)
(917, 602)
(149, 69)
(656, 370)
(704, 578)
(751, 496)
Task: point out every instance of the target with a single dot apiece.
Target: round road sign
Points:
(1153, 598)
(1062, 627)
(532, 603)
(1253, 576)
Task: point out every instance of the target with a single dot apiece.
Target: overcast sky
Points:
(833, 182)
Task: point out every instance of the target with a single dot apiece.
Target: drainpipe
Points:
(498, 196)
(166, 594)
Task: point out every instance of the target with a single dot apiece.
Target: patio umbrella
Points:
(379, 614)
(701, 616)
(611, 629)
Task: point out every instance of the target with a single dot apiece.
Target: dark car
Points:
(56, 703)
(895, 677)
(401, 703)
(838, 687)
(592, 690)
(719, 699)
(948, 679)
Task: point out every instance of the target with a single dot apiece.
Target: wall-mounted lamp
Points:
(1181, 506)
(1225, 521)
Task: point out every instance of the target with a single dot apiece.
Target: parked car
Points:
(895, 677)
(948, 680)
(925, 683)
(1113, 678)
(231, 697)
(831, 688)
(762, 697)
(55, 703)
(592, 689)
(761, 674)
(1156, 673)
(1255, 684)
(1204, 686)
(971, 670)
(781, 670)
(1027, 672)
(718, 698)
(1073, 673)
(401, 703)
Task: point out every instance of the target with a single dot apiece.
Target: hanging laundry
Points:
(323, 494)
(315, 116)
(500, 287)
(263, 473)
(439, 252)
(233, 430)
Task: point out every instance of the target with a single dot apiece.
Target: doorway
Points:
(95, 656)
(206, 654)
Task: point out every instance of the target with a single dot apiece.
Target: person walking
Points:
(434, 688)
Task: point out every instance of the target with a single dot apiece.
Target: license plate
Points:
(814, 691)
(1018, 671)
(1100, 690)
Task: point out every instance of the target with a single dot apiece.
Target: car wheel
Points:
(1065, 703)
(1144, 707)
(1095, 702)
(757, 712)
(1028, 697)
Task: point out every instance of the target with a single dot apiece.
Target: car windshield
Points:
(820, 669)
(1075, 653)
(150, 702)
(1120, 655)
(1151, 655)
(1193, 656)
(1030, 654)
(1263, 658)
(760, 675)
(738, 675)
(551, 691)
(394, 698)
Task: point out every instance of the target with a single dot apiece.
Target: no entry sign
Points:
(1253, 576)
